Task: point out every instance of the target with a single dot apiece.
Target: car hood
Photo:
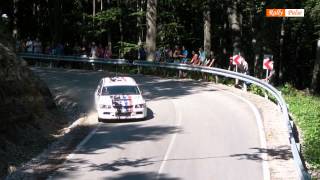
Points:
(123, 100)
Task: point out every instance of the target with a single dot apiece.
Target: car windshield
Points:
(117, 90)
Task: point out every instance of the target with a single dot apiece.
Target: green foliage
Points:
(306, 111)
(109, 15)
(257, 90)
(138, 13)
(127, 49)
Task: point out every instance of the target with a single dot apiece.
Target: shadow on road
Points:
(80, 85)
(283, 153)
(115, 136)
(141, 176)
(149, 117)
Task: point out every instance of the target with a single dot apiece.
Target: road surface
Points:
(194, 130)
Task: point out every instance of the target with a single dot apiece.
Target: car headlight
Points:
(103, 106)
(140, 105)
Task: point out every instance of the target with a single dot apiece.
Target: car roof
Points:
(119, 81)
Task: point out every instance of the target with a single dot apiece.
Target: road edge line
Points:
(78, 147)
(173, 139)
(262, 136)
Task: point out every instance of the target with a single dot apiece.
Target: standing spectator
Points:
(100, 51)
(168, 55)
(47, 49)
(194, 59)
(176, 54)
(107, 52)
(29, 45)
(210, 61)
(142, 53)
(270, 79)
(23, 46)
(158, 55)
(68, 50)
(243, 68)
(59, 49)
(184, 55)
(202, 56)
(37, 46)
(76, 49)
(83, 51)
(93, 51)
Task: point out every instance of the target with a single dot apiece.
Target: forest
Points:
(225, 27)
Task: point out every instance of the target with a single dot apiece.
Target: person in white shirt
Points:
(29, 45)
(37, 46)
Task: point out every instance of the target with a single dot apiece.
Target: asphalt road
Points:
(193, 131)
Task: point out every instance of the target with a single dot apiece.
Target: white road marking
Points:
(79, 146)
(263, 143)
(84, 141)
(173, 139)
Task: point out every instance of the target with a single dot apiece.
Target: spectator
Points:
(107, 52)
(142, 53)
(243, 68)
(100, 51)
(83, 51)
(93, 51)
(168, 55)
(202, 56)
(47, 49)
(184, 55)
(195, 58)
(68, 50)
(76, 49)
(59, 49)
(29, 45)
(210, 61)
(37, 46)
(176, 54)
(270, 78)
(158, 55)
(23, 46)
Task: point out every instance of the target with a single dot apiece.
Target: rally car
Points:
(119, 98)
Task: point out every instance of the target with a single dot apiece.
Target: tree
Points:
(151, 29)
(207, 28)
(313, 7)
(316, 70)
(235, 25)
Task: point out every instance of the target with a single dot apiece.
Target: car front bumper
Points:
(113, 114)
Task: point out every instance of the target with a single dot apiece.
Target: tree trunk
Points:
(56, 13)
(121, 38)
(207, 30)
(139, 22)
(316, 71)
(15, 19)
(279, 63)
(151, 29)
(93, 11)
(235, 26)
(121, 33)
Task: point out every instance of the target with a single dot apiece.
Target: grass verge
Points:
(305, 109)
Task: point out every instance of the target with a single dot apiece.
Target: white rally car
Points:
(119, 98)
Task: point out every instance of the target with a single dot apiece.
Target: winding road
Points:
(194, 131)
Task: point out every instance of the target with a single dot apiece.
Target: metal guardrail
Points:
(216, 71)
(72, 58)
